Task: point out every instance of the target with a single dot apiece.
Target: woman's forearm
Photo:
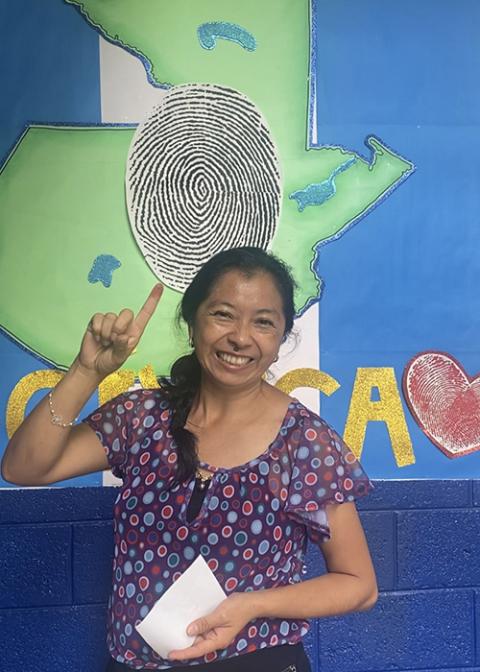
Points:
(328, 595)
(38, 442)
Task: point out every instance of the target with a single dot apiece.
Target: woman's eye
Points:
(265, 323)
(222, 314)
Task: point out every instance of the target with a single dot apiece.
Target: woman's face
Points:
(239, 328)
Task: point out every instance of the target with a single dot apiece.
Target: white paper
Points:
(194, 594)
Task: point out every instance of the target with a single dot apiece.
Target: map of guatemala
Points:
(229, 156)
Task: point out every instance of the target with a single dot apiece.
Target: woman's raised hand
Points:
(110, 339)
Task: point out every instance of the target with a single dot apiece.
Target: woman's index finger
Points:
(149, 307)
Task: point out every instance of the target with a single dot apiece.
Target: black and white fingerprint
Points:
(202, 176)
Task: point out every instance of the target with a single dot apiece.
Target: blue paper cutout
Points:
(209, 32)
(318, 193)
(102, 269)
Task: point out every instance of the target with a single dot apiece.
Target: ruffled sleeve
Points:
(323, 471)
(111, 423)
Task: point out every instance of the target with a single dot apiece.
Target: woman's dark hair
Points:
(185, 375)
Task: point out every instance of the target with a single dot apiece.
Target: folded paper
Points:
(195, 594)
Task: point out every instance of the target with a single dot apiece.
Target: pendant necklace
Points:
(203, 480)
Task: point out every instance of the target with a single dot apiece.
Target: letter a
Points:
(387, 409)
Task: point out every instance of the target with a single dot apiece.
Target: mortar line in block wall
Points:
(53, 523)
(404, 592)
(395, 550)
(61, 606)
(419, 509)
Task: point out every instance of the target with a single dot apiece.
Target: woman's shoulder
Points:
(304, 416)
(153, 400)
(139, 394)
(136, 401)
(305, 429)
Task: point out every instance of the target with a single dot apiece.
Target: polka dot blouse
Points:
(252, 527)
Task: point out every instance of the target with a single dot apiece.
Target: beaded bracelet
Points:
(57, 419)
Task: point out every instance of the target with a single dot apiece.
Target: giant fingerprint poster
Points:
(139, 139)
(202, 176)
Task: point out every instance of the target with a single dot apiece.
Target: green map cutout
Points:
(62, 199)
(62, 190)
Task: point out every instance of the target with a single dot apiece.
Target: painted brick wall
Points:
(55, 559)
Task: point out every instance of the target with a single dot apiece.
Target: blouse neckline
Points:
(259, 458)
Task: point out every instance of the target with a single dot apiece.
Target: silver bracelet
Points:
(57, 419)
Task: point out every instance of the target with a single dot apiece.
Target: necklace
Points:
(202, 479)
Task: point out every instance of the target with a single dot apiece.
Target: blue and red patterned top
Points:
(252, 527)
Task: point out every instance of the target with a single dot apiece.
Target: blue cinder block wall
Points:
(55, 563)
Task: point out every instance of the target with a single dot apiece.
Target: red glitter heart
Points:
(444, 401)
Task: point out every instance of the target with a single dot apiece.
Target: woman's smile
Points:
(234, 360)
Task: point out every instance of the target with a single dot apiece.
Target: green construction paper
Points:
(62, 202)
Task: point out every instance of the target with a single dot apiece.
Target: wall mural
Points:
(229, 151)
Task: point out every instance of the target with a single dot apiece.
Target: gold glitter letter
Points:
(307, 378)
(122, 381)
(23, 391)
(387, 409)
(147, 377)
(115, 384)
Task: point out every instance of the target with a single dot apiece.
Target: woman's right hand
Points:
(110, 339)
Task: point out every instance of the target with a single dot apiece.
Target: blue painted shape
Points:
(208, 33)
(394, 89)
(417, 494)
(54, 639)
(376, 274)
(92, 562)
(53, 50)
(35, 565)
(102, 269)
(318, 193)
(415, 631)
(438, 549)
(53, 505)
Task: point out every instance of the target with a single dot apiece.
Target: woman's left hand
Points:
(219, 628)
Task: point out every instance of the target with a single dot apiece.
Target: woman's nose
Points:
(240, 336)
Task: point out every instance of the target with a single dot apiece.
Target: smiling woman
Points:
(216, 463)
(239, 309)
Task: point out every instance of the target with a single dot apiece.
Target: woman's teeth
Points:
(236, 360)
